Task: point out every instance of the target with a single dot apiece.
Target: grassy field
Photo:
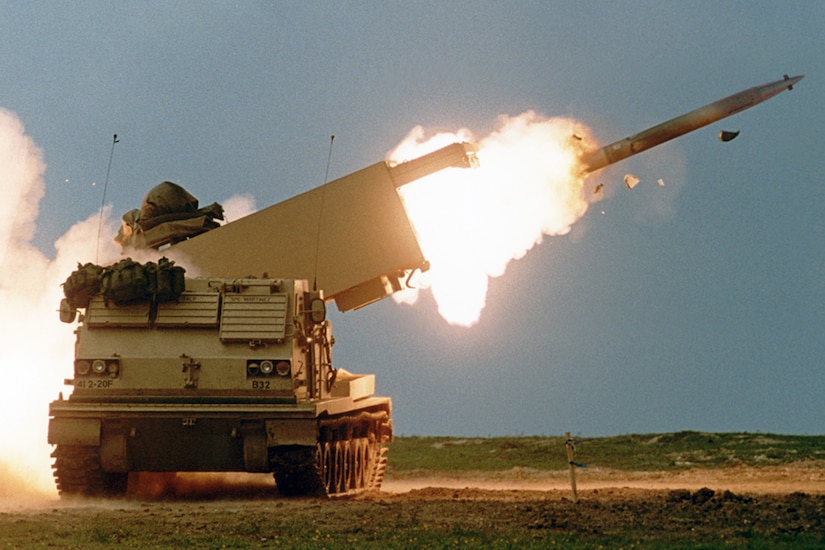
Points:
(438, 517)
(645, 452)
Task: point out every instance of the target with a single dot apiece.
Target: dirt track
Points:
(799, 477)
(730, 505)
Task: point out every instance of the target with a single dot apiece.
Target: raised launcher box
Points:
(354, 386)
(351, 237)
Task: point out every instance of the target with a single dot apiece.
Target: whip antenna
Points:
(329, 158)
(321, 216)
(103, 200)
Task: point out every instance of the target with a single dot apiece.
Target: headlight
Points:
(267, 367)
(82, 367)
(99, 366)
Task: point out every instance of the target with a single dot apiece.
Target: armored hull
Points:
(229, 376)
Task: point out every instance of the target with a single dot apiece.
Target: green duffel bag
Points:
(167, 280)
(82, 284)
(125, 282)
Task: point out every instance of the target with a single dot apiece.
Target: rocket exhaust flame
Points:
(471, 223)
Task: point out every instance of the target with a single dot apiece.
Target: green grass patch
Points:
(635, 452)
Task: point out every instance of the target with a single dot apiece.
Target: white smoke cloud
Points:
(36, 350)
(22, 166)
(238, 206)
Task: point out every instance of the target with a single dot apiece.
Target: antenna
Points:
(329, 158)
(320, 216)
(103, 200)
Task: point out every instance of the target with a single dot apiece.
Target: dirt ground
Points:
(704, 506)
(797, 477)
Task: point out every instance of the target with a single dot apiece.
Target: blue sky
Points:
(696, 306)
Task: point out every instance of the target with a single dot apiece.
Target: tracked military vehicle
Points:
(230, 375)
(227, 372)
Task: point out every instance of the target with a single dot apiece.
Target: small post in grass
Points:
(571, 446)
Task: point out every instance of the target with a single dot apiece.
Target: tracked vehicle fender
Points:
(292, 432)
(74, 431)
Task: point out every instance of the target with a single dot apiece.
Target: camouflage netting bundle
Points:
(169, 214)
(167, 198)
(125, 282)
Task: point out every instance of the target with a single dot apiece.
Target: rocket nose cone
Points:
(767, 91)
(790, 82)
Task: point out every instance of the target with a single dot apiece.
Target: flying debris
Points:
(673, 128)
(598, 189)
(661, 182)
(631, 181)
(726, 135)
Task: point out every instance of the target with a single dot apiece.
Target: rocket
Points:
(673, 128)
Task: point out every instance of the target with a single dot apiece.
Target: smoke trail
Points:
(472, 223)
(22, 271)
(22, 166)
(35, 348)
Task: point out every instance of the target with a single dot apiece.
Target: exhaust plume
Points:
(35, 348)
(472, 223)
